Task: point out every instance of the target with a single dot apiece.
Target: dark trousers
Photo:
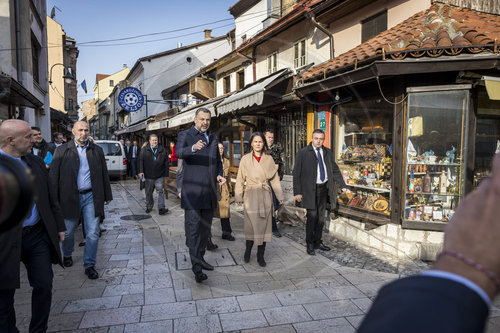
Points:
(316, 217)
(129, 168)
(226, 226)
(133, 164)
(151, 185)
(36, 256)
(197, 224)
(276, 205)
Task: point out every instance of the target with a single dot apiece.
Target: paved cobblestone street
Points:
(146, 284)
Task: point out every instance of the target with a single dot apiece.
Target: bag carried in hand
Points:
(291, 215)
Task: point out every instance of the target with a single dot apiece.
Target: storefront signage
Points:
(322, 120)
(131, 99)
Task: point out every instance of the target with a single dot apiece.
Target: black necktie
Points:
(321, 166)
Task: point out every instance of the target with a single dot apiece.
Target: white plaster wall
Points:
(347, 30)
(404, 9)
(317, 47)
(250, 22)
(164, 72)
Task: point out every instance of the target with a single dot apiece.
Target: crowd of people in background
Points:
(72, 184)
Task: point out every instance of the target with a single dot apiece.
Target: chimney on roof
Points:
(208, 33)
(179, 44)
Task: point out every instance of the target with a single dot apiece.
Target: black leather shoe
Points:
(163, 211)
(200, 276)
(310, 250)
(322, 247)
(276, 234)
(211, 246)
(206, 265)
(148, 210)
(228, 237)
(67, 261)
(91, 273)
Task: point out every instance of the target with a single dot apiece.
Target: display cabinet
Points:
(436, 127)
(364, 156)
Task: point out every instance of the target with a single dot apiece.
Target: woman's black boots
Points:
(260, 254)
(248, 250)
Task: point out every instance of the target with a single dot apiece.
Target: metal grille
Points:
(293, 136)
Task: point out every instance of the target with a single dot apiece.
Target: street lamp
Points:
(68, 77)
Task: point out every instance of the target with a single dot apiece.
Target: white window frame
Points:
(272, 67)
(299, 57)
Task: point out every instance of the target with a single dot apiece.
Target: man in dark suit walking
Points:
(202, 171)
(79, 177)
(128, 157)
(136, 150)
(35, 241)
(314, 177)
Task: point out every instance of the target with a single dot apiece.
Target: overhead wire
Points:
(174, 67)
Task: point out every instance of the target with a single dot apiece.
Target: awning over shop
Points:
(252, 94)
(13, 93)
(156, 125)
(187, 114)
(134, 128)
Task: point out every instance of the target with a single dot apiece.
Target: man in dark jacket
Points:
(40, 147)
(314, 177)
(136, 151)
(153, 165)
(35, 241)
(128, 156)
(79, 177)
(275, 152)
(202, 170)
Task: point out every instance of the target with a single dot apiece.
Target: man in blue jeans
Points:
(79, 177)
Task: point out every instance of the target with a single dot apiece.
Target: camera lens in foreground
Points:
(16, 192)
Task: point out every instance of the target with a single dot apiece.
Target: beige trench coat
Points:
(222, 210)
(257, 198)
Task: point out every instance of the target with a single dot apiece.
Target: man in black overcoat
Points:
(79, 178)
(202, 171)
(153, 166)
(128, 157)
(315, 175)
(35, 241)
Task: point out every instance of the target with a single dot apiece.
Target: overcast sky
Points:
(103, 20)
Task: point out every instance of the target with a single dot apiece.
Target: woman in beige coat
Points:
(256, 173)
(222, 210)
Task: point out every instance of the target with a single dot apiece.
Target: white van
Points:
(114, 152)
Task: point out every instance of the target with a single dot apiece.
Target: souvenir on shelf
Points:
(434, 159)
(364, 146)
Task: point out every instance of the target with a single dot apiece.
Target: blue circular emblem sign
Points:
(131, 99)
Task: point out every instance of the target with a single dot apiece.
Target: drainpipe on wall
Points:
(254, 67)
(325, 31)
(19, 58)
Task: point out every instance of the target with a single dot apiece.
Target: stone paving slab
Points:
(141, 289)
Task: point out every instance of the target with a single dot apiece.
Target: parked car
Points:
(114, 153)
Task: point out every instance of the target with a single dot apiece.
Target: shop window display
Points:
(434, 180)
(364, 155)
(487, 141)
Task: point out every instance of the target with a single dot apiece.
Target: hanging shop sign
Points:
(131, 99)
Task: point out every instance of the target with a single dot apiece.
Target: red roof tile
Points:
(442, 29)
(99, 77)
